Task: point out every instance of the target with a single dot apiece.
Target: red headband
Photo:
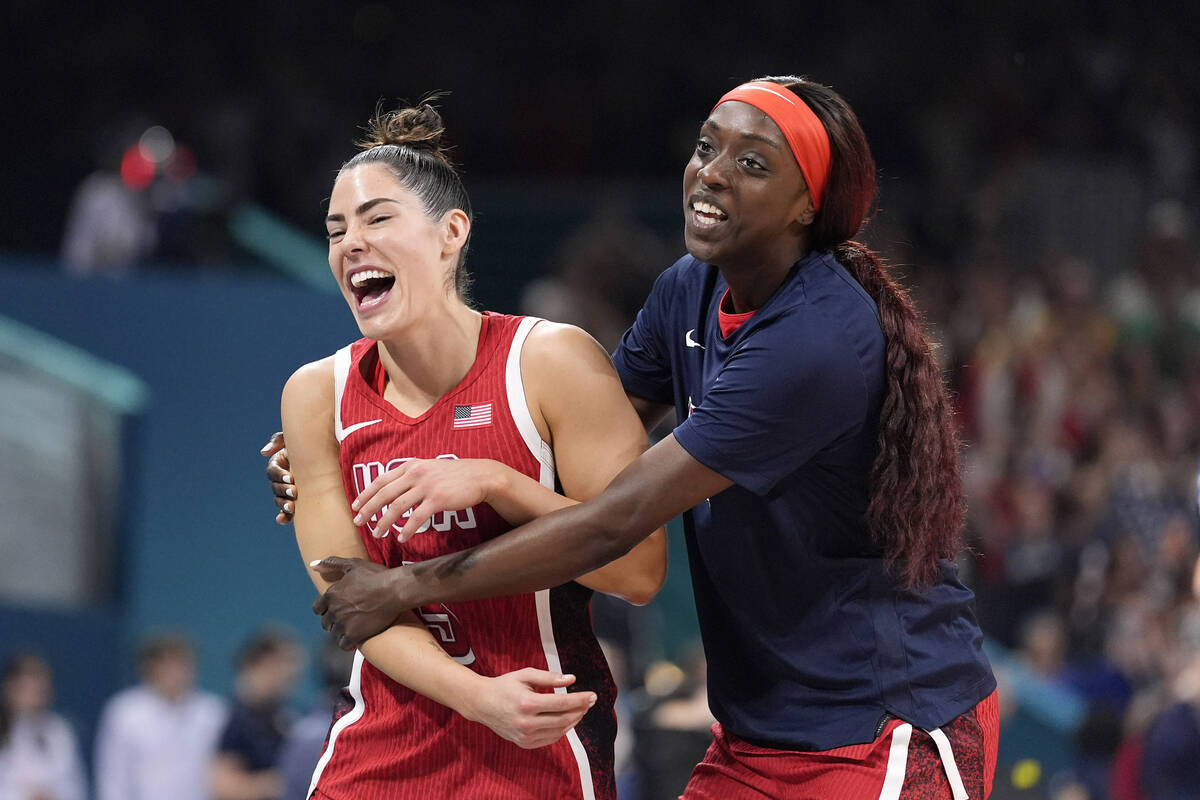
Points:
(805, 134)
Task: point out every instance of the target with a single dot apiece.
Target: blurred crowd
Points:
(164, 737)
(1079, 399)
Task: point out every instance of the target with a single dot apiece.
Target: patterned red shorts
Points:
(903, 763)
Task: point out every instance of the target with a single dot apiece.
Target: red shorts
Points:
(903, 763)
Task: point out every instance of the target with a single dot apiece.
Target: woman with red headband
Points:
(815, 464)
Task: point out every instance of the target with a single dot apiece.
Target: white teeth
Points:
(359, 278)
(708, 208)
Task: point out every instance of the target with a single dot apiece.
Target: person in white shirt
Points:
(39, 755)
(155, 740)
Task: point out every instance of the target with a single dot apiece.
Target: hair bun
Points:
(419, 128)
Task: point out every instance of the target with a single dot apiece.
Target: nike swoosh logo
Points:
(351, 429)
(689, 341)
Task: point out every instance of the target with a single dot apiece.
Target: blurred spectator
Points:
(145, 199)
(110, 227)
(246, 763)
(156, 740)
(39, 756)
(672, 726)
(1171, 750)
(111, 223)
(305, 741)
(602, 272)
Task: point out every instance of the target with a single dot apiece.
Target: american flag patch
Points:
(473, 416)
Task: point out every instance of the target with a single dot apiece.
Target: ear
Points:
(807, 212)
(456, 227)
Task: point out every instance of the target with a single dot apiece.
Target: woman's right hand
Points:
(280, 476)
(522, 707)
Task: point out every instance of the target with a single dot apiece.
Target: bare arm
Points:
(577, 404)
(661, 483)
(406, 651)
(595, 433)
(648, 411)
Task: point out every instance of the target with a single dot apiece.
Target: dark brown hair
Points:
(916, 513)
(21, 662)
(408, 141)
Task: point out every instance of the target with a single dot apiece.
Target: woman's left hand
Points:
(426, 486)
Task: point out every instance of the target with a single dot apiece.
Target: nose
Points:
(352, 240)
(712, 172)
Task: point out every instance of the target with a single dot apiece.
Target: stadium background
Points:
(1038, 178)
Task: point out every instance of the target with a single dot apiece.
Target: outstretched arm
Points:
(406, 651)
(577, 404)
(283, 488)
(661, 483)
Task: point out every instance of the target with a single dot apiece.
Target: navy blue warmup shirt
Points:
(809, 641)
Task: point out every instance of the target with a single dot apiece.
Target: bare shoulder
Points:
(554, 346)
(310, 388)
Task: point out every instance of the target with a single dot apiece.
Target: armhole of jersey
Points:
(341, 372)
(519, 407)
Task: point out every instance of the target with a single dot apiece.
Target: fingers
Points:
(550, 732)
(331, 569)
(274, 444)
(555, 704)
(543, 679)
(416, 520)
(373, 488)
(396, 504)
(548, 726)
(279, 476)
(286, 507)
(545, 700)
(278, 468)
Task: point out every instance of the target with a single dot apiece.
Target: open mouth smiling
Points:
(705, 214)
(370, 286)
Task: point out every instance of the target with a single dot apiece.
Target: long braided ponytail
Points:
(916, 512)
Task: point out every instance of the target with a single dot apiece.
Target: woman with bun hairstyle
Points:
(479, 414)
(816, 466)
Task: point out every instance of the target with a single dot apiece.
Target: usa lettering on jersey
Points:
(443, 521)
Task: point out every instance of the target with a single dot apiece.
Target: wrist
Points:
(392, 594)
(470, 696)
(497, 484)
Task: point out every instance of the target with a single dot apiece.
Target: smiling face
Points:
(392, 262)
(746, 205)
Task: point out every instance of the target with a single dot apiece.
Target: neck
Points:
(432, 357)
(751, 283)
(750, 290)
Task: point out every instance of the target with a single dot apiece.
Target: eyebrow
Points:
(362, 209)
(758, 137)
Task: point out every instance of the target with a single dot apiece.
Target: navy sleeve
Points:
(643, 359)
(233, 737)
(793, 387)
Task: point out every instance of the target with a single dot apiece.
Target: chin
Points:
(703, 251)
(374, 326)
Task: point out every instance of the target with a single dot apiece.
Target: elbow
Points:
(642, 569)
(648, 580)
(644, 588)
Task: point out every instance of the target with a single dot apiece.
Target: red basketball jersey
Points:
(389, 742)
